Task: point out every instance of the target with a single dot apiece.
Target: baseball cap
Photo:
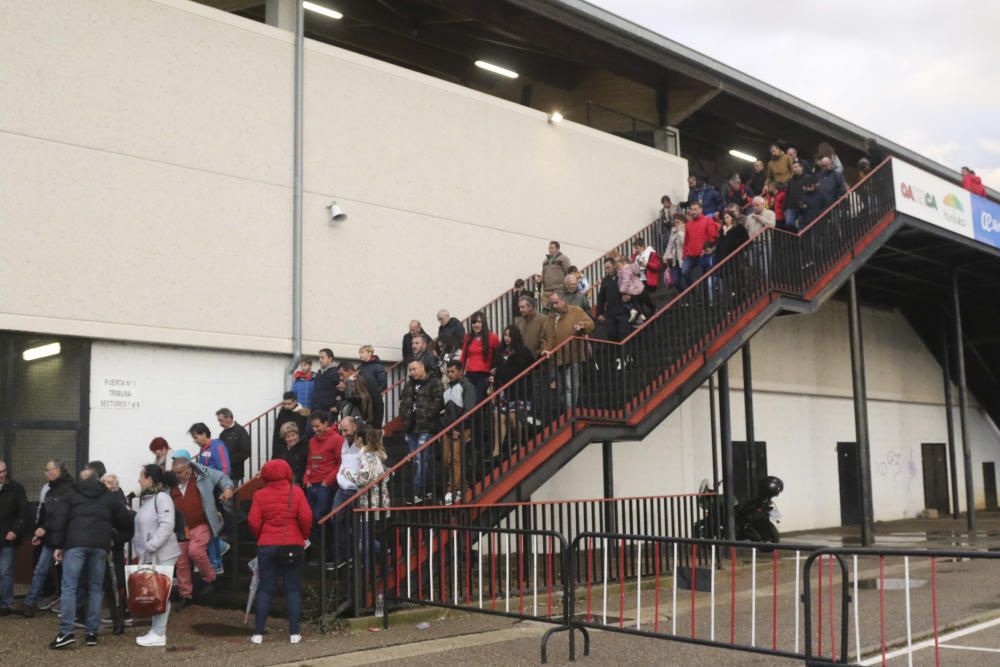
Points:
(182, 454)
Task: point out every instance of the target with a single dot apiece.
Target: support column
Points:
(726, 432)
(861, 416)
(715, 435)
(748, 415)
(949, 418)
(609, 486)
(963, 406)
(280, 13)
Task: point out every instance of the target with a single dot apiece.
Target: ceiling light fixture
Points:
(320, 9)
(555, 117)
(41, 351)
(742, 156)
(496, 69)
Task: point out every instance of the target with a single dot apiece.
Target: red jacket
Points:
(697, 233)
(324, 459)
(776, 203)
(974, 184)
(280, 514)
(472, 353)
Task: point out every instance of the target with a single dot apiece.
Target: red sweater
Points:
(472, 353)
(697, 232)
(324, 459)
(280, 514)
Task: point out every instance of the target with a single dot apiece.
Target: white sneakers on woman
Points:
(259, 639)
(151, 639)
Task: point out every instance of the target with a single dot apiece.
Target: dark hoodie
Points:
(374, 375)
(451, 335)
(87, 516)
(58, 488)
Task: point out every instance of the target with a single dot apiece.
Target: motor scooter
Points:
(755, 518)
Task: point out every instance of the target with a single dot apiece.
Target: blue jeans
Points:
(693, 268)
(268, 569)
(792, 217)
(319, 498)
(420, 461)
(215, 553)
(76, 561)
(342, 524)
(7, 553)
(41, 573)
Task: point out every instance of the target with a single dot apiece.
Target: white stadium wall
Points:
(802, 409)
(147, 173)
(171, 388)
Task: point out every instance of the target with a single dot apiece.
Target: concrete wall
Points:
(148, 173)
(174, 387)
(802, 409)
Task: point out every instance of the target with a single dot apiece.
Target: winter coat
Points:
(554, 270)
(215, 456)
(88, 516)
(509, 363)
(421, 403)
(297, 459)
(730, 240)
(674, 252)
(293, 416)
(324, 458)
(531, 332)
(325, 393)
(280, 514)
(779, 169)
(155, 540)
(559, 328)
(210, 484)
(776, 203)
(650, 264)
(58, 488)
(831, 185)
(370, 468)
(974, 184)
(738, 196)
(754, 225)
(698, 233)
(375, 376)
(473, 360)
(707, 196)
(815, 205)
(237, 442)
(451, 334)
(459, 398)
(13, 512)
(578, 299)
(793, 198)
(304, 391)
(629, 281)
(609, 298)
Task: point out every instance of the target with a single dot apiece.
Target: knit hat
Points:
(158, 443)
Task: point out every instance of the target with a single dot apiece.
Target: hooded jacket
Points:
(324, 458)
(58, 488)
(421, 403)
(280, 515)
(451, 334)
(554, 270)
(88, 517)
(973, 184)
(155, 540)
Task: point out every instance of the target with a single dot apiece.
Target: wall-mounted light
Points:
(555, 117)
(323, 11)
(42, 351)
(336, 213)
(496, 69)
(742, 156)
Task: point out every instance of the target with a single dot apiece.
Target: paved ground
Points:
(968, 604)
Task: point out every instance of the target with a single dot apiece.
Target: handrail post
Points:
(963, 405)
(729, 511)
(860, 394)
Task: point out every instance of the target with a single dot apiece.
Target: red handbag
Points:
(148, 592)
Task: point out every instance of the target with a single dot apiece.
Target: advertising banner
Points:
(933, 199)
(986, 220)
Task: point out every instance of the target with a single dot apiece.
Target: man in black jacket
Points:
(82, 532)
(58, 483)
(237, 442)
(374, 375)
(451, 333)
(612, 315)
(13, 523)
(325, 394)
(795, 203)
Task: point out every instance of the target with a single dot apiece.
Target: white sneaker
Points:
(295, 639)
(151, 639)
(256, 639)
(448, 498)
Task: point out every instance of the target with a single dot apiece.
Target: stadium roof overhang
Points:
(593, 67)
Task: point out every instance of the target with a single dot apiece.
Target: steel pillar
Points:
(861, 416)
(607, 460)
(725, 430)
(748, 416)
(714, 430)
(949, 419)
(963, 406)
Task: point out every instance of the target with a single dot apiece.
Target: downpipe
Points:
(297, 167)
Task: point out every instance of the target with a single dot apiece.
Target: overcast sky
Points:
(923, 73)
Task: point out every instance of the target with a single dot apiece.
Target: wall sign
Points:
(117, 393)
(932, 199)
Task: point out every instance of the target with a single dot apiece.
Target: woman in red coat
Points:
(280, 518)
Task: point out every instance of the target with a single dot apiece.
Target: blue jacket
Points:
(211, 484)
(708, 197)
(831, 185)
(303, 392)
(215, 456)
